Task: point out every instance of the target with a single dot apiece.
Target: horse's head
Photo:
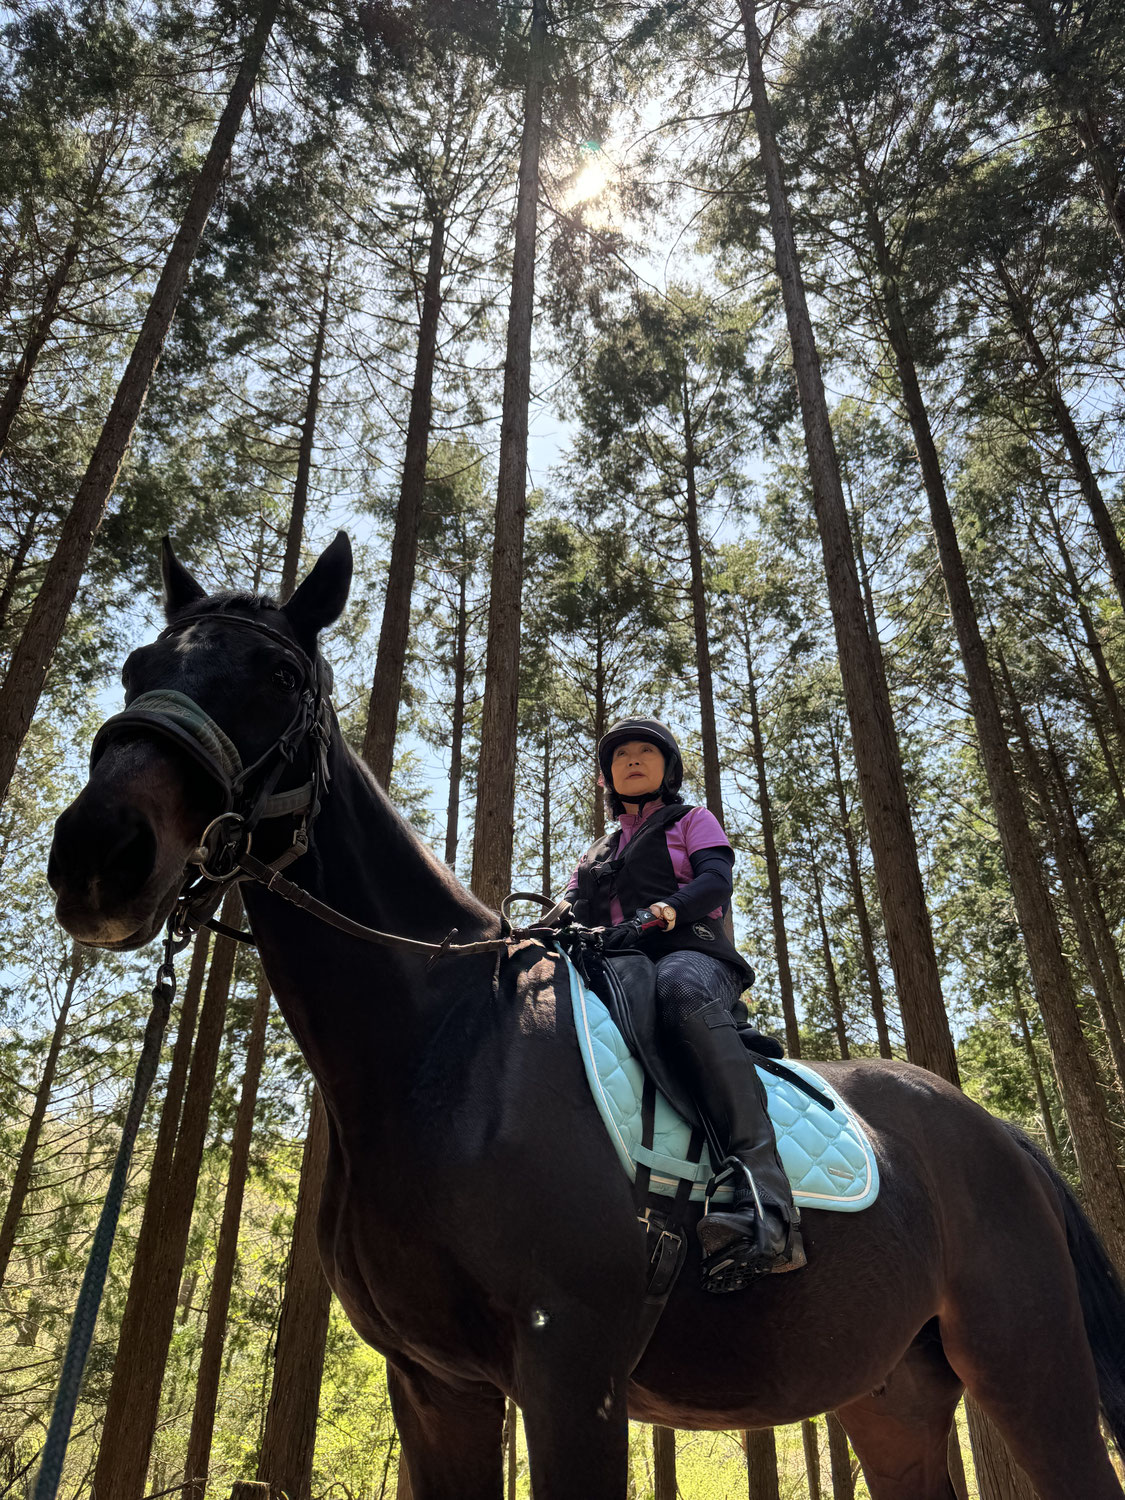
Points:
(221, 714)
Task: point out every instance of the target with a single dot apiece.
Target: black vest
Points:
(642, 874)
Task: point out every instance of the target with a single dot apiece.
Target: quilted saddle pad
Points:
(826, 1153)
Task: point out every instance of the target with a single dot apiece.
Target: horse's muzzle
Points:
(118, 855)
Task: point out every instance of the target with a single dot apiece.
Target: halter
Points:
(248, 792)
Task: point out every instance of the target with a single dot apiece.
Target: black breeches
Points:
(687, 981)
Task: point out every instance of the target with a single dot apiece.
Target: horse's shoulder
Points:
(538, 985)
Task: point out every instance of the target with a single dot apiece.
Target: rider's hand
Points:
(665, 912)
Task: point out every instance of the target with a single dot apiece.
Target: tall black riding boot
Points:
(760, 1232)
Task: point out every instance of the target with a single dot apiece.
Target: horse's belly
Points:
(795, 1344)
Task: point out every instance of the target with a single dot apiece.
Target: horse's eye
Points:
(285, 678)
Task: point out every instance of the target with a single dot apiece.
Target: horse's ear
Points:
(180, 588)
(320, 599)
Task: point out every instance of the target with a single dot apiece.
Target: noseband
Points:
(249, 792)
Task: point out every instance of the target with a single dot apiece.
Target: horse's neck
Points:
(361, 1012)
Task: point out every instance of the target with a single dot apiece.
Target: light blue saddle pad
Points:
(825, 1152)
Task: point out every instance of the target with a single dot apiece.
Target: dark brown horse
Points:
(476, 1223)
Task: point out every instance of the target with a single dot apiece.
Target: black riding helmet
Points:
(655, 733)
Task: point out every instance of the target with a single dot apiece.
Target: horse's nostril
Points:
(110, 850)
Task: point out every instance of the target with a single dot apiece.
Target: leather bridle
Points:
(223, 858)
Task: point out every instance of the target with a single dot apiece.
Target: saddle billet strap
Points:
(664, 1225)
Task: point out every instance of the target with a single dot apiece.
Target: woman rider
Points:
(676, 861)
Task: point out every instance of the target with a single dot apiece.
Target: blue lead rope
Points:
(93, 1282)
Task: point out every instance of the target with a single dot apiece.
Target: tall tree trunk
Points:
(289, 1440)
(1093, 642)
(21, 375)
(840, 1459)
(712, 781)
(859, 901)
(760, 1448)
(394, 633)
(21, 1178)
(882, 784)
(955, 1463)
(226, 1253)
(511, 1446)
(295, 532)
(773, 869)
(1037, 1079)
(1105, 944)
(1078, 898)
(36, 646)
(457, 727)
(16, 566)
(811, 1443)
(601, 726)
(1104, 1189)
(834, 1001)
(998, 1478)
(150, 1309)
(1068, 430)
(545, 885)
(285, 1458)
(663, 1463)
(496, 776)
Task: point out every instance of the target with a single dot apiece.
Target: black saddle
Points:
(624, 980)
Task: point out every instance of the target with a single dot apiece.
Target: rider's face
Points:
(638, 769)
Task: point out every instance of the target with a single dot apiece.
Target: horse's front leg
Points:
(451, 1436)
(572, 1377)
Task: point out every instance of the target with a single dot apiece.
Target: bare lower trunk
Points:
(289, 1440)
(457, 727)
(511, 1446)
(811, 1443)
(955, 1463)
(394, 633)
(21, 1178)
(226, 1252)
(773, 870)
(496, 777)
(663, 1463)
(998, 1478)
(712, 781)
(761, 1465)
(1068, 431)
(835, 1003)
(840, 1458)
(1036, 1071)
(295, 532)
(862, 915)
(33, 652)
(150, 1309)
(882, 784)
